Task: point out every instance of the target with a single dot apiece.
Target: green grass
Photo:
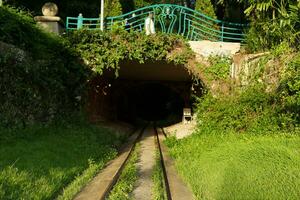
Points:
(232, 166)
(47, 162)
(159, 191)
(128, 177)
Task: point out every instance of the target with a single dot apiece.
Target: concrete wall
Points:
(207, 48)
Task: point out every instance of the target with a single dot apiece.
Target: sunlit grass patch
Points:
(39, 162)
(240, 167)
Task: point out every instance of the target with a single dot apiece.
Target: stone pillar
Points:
(49, 21)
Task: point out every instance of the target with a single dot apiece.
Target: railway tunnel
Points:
(153, 91)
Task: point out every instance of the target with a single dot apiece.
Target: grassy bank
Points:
(247, 142)
(39, 162)
(234, 166)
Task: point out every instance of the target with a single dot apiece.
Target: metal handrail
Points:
(169, 18)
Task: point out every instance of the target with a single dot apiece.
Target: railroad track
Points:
(103, 183)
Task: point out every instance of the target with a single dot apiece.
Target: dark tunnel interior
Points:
(150, 102)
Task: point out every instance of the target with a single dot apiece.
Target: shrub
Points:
(206, 7)
(106, 50)
(40, 75)
(289, 91)
(249, 111)
(113, 8)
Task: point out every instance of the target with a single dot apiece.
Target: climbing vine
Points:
(106, 50)
(219, 68)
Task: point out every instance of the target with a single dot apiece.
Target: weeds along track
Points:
(111, 183)
(155, 136)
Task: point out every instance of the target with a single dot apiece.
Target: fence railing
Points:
(168, 18)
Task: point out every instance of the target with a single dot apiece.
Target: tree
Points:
(112, 8)
(206, 7)
(272, 22)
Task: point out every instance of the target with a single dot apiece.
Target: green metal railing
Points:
(168, 18)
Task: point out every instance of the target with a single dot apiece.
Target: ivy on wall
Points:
(106, 50)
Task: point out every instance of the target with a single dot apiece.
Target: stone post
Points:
(49, 21)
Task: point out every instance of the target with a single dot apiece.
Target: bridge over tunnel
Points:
(149, 92)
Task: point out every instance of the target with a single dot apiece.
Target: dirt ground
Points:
(181, 130)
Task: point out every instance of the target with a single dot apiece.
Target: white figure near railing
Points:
(149, 24)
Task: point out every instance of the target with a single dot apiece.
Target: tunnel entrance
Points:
(143, 92)
(151, 102)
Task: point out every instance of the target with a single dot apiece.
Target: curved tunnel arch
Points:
(155, 91)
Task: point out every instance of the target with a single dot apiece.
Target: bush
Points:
(272, 22)
(206, 7)
(113, 8)
(40, 76)
(289, 91)
(219, 68)
(249, 111)
(106, 50)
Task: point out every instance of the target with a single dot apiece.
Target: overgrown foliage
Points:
(272, 22)
(40, 77)
(245, 145)
(127, 180)
(106, 50)
(265, 98)
(218, 69)
(268, 102)
(206, 7)
(112, 8)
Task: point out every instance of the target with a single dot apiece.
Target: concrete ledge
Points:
(47, 19)
(207, 48)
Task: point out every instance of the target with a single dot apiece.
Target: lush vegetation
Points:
(229, 10)
(221, 165)
(103, 51)
(247, 140)
(42, 83)
(272, 22)
(40, 76)
(246, 143)
(127, 179)
(112, 8)
(218, 68)
(39, 162)
(245, 146)
(205, 7)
